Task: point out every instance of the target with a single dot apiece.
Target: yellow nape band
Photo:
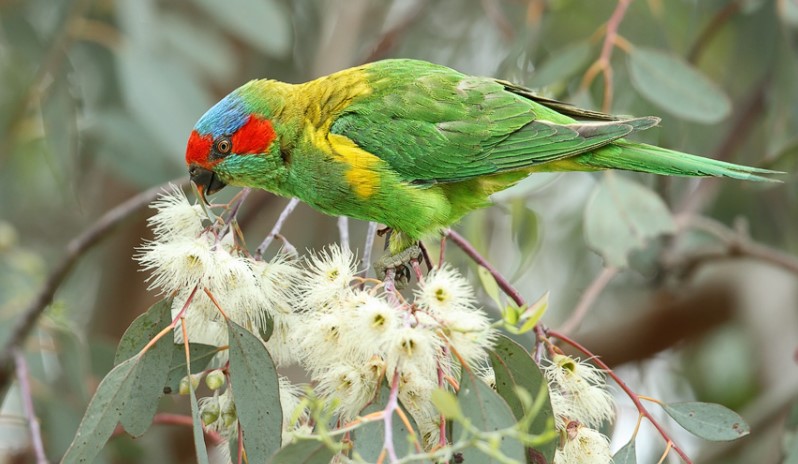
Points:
(362, 176)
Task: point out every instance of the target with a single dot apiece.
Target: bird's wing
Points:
(433, 124)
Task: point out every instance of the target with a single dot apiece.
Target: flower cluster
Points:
(355, 335)
(189, 260)
(581, 403)
(348, 333)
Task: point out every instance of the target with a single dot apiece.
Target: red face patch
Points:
(198, 149)
(253, 137)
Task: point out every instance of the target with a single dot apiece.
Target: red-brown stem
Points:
(175, 419)
(632, 395)
(472, 252)
(588, 298)
(504, 284)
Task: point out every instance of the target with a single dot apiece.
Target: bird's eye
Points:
(223, 146)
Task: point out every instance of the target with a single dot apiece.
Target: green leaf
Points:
(253, 379)
(369, 438)
(513, 368)
(487, 411)
(199, 436)
(674, 85)
(562, 64)
(103, 413)
(303, 452)
(143, 329)
(447, 404)
(490, 285)
(708, 420)
(264, 24)
(622, 216)
(532, 315)
(526, 234)
(147, 389)
(201, 356)
(626, 455)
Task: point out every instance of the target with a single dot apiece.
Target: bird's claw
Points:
(399, 262)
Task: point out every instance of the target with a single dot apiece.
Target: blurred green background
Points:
(97, 99)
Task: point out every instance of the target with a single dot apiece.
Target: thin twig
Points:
(23, 377)
(737, 245)
(472, 252)
(390, 408)
(632, 395)
(289, 208)
(76, 248)
(343, 231)
(711, 30)
(388, 39)
(588, 299)
(371, 234)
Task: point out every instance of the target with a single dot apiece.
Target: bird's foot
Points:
(399, 263)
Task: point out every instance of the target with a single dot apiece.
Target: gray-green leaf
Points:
(263, 24)
(303, 452)
(256, 393)
(488, 412)
(708, 420)
(622, 216)
(674, 85)
(561, 64)
(103, 413)
(626, 455)
(513, 367)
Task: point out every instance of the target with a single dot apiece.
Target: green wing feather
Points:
(433, 124)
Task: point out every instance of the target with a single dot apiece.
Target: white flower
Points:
(414, 348)
(469, 332)
(177, 264)
(326, 281)
(583, 446)
(444, 289)
(578, 392)
(176, 217)
(374, 324)
(351, 385)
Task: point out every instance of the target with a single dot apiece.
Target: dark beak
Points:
(207, 182)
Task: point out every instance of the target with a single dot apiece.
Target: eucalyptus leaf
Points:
(526, 234)
(674, 85)
(256, 393)
(147, 389)
(513, 368)
(626, 455)
(303, 452)
(488, 412)
(103, 413)
(143, 329)
(446, 402)
(199, 436)
(622, 216)
(708, 420)
(490, 285)
(562, 64)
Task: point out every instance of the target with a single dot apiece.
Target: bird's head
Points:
(237, 143)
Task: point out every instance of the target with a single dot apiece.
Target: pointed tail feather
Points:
(655, 160)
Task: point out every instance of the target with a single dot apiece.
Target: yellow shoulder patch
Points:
(362, 176)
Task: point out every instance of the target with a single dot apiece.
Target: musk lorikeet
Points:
(413, 145)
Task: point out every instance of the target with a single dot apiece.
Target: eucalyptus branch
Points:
(737, 245)
(602, 64)
(289, 208)
(629, 392)
(76, 248)
(27, 402)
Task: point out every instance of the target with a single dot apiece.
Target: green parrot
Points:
(413, 145)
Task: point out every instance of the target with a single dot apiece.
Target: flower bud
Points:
(215, 380)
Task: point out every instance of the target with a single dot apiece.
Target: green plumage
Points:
(416, 146)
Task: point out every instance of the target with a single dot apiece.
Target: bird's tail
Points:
(655, 160)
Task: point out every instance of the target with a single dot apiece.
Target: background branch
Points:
(74, 250)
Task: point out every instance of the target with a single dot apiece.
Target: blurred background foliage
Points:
(98, 98)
